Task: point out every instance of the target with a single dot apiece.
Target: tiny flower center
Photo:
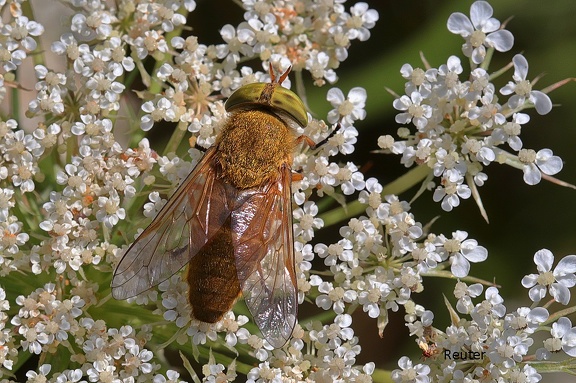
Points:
(519, 323)
(24, 172)
(450, 188)
(72, 52)
(527, 156)
(553, 344)
(418, 76)
(512, 128)
(9, 239)
(103, 85)
(111, 207)
(477, 38)
(523, 88)
(452, 245)
(416, 110)
(19, 147)
(75, 181)
(52, 78)
(19, 32)
(306, 222)
(354, 22)
(92, 129)
(345, 108)
(374, 295)
(5, 55)
(374, 200)
(473, 146)
(150, 43)
(451, 79)
(336, 294)
(396, 208)
(460, 290)
(93, 21)
(546, 279)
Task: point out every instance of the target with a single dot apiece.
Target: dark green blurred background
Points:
(523, 219)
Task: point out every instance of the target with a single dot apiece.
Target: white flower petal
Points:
(544, 260)
(460, 266)
(541, 102)
(357, 95)
(520, 67)
(532, 175)
(480, 12)
(538, 315)
(508, 88)
(501, 40)
(479, 54)
(560, 293)
(566, 265)
(548, 163)
(476, 254)
(515, 143)
(335, 96)
(460, 24)
(536, 293)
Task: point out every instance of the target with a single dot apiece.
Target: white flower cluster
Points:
(494, 343)
(17, 39)
(88, 184)
(461, 122)
(45, 323)
(93, 184)
(20, 153)
(381, 257)
(319, 353)
(291, 31)
(72, 179)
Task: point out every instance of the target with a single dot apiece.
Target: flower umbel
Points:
(84, 170)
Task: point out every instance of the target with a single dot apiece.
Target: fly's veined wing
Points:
(264, 251)
(190, 218)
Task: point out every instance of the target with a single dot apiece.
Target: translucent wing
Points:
(190, 218)
(264, 250)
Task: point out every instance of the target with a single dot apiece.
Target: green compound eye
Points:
(272, 95)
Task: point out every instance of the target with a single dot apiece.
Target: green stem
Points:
(486, 63)
(176, 138)
(555, 316)
(448, 275)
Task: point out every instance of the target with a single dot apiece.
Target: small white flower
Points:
(410, 373)
(415, 110)
(539, 162)
(462, 251)
(360, 20)
(307, 221)
(347, 109)
(451, 190)
(480, 31)
(557, 282)
(110, 211)
(153, 207)
(509, 132)
(522, 89)
(318, 65)
(526, 319)
(464, 293)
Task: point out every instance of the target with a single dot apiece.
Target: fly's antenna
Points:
(282, 76)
